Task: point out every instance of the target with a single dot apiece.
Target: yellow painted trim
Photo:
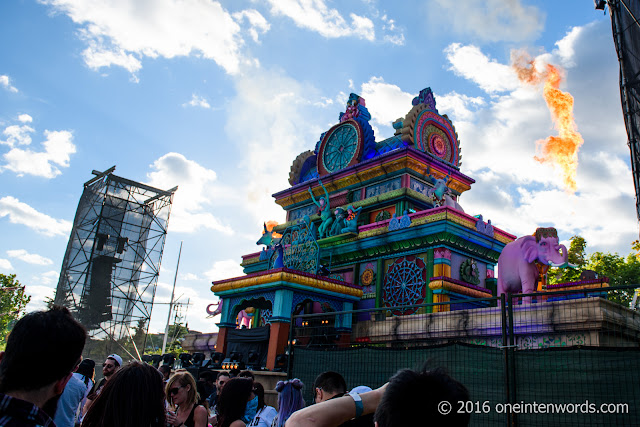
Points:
(285, 276)
(406, 162)
(442, 270)
(453, 287)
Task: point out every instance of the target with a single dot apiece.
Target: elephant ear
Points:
(530, 249)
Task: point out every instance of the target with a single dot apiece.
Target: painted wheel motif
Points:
(341, 147)
(434, 134)
(405, 284)
(367, 277)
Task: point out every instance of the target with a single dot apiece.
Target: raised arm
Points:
(334, 412)
(326, 193)
(313, 198)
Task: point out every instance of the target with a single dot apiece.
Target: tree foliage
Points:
(620, 271)
(13, 301)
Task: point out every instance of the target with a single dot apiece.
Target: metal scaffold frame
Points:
(625, 23)
(112, 262)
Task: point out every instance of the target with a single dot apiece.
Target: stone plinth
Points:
(586, 321)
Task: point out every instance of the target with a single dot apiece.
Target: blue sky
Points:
(219, 98)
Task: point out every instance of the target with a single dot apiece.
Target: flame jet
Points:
(561, 150)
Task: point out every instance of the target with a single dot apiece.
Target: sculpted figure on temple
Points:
(339, 222)
(325, 212)
(352, 220)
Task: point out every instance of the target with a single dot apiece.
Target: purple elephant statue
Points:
(517, 271)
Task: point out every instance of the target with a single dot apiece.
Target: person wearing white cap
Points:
(109, 367)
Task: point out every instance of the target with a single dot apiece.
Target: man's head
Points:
(327, 385)
(52, 334)
(165, 370)
(111, 365)
(414, 396)
(247, 374)
(222, 378)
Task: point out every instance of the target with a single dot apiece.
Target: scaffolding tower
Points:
(625, 24)
(111, 266)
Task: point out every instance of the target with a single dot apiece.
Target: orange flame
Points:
(561, 150)
(270, 225)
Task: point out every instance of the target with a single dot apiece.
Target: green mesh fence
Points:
(480, 369)
(553, 362)
(577, 376)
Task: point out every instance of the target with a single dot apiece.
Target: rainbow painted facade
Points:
(369, 224)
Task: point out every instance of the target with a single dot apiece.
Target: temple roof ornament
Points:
(352, 140)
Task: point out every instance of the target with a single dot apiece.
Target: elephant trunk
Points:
(565, 259)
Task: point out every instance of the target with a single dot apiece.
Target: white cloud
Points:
(21, 213)
(389, 25)
(259, 24)
(196, 192)
(38, 294)
(316, 16)
(488, 20)
(25, 118)
(459, 107)
(17, 135)
(197, 101)
(279, 132)
(520, 194)
(25, 256)
(224, 270)
(49, 278)
(470, 63)
(122, 32)
(386, 102)
(58, 147)
(5, 82)
(5, 264)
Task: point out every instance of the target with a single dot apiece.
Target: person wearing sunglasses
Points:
(182, 396)
(111, 364)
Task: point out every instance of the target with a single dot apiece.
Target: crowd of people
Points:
(63, 391)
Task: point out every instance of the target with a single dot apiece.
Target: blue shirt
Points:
(73, 394)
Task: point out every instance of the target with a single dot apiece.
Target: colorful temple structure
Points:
(369, 225)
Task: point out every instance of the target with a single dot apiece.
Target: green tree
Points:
(620, 272)
(577, 256)
(13, 301)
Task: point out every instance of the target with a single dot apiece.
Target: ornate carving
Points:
(382, 215)
(439, 253)
(405, 284)
(469, 272)
(425, 97)
(303, 167)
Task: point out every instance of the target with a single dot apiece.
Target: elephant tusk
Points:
(563, 265)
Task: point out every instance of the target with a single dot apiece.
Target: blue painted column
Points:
(282, 305)
(344, 321)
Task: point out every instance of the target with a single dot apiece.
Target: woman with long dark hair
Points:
(289, 400)
(133, 397)
(265, 414)
(183, 397)
(232, 402)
